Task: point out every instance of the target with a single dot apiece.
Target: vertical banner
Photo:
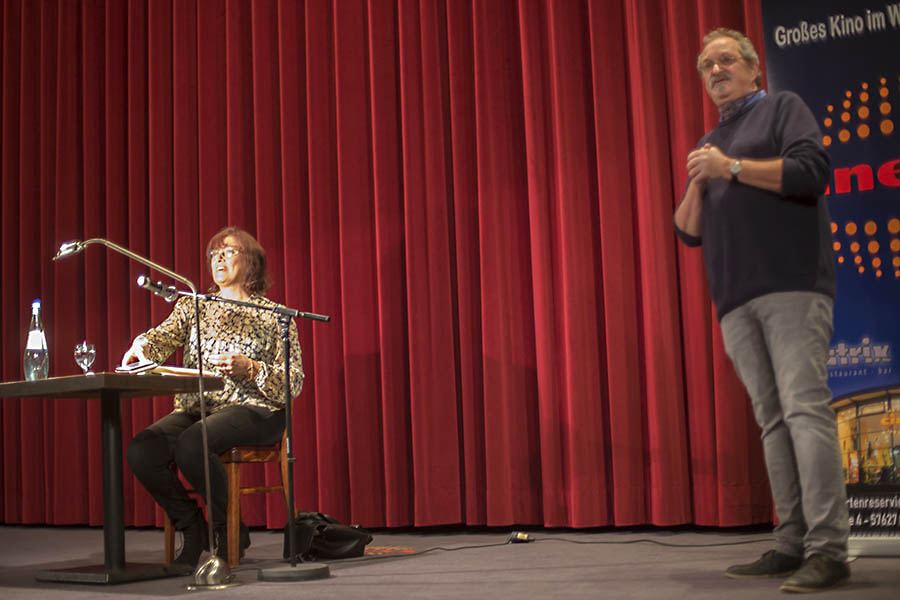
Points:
(843, 58)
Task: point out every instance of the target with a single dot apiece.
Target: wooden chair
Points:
(233, 459)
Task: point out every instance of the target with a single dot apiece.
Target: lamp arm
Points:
(144, 261)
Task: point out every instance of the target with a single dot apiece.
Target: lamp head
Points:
(69, 248)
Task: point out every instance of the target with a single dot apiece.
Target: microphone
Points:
(68, 249)
(314, 316)
(166, 292)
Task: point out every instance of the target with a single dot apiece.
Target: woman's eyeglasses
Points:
(227, 253)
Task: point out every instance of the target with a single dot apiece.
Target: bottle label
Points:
(35, 341)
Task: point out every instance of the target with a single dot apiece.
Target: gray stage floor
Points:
(455, 564)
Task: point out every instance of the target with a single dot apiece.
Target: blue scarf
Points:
(736, 107)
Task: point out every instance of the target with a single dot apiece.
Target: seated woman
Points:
(244, 346)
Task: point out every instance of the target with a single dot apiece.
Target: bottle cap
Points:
(36, 303)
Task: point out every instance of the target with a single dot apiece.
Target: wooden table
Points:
(111, 388)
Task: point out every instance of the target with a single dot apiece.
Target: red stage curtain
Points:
(479, 193)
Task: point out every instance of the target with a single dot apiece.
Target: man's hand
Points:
(708, 163)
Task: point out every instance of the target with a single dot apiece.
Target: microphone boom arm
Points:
(280, 310)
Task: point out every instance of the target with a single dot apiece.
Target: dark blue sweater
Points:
(757, 242)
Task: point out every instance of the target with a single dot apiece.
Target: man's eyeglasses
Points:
(724, 61)
(227, 253)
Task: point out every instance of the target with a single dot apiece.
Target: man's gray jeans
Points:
(778, 344)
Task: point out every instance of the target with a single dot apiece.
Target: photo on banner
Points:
(842, 58)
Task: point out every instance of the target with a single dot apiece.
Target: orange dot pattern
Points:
(854, 120)
(868, 253)
(862, 112)
(893, 228)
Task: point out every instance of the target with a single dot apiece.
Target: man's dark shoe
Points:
(196, 540)
(770, 564)
(222, 541)
(817, 573)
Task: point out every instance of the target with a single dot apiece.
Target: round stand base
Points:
(302, 572)
(214, 574)
(199, 587)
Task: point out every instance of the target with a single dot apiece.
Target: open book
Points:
(148, 366)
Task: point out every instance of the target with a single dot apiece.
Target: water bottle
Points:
(37, 359)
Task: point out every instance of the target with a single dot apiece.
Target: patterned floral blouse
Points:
(229, 328)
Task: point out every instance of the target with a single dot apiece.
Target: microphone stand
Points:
(215, 572)
(296, 572)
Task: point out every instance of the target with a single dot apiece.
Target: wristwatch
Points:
(735, 170)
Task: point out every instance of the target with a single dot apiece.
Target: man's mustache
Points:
(720, 77)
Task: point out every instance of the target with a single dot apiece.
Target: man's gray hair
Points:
(745, 47)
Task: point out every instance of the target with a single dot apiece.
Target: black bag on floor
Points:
(317, 535)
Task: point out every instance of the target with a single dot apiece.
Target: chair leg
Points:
(233, 519)
(169, 534)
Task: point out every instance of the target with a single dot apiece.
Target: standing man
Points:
(755, 201)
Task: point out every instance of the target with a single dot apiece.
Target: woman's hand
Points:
(134, 354)
(233, 365)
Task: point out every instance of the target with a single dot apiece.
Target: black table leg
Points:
(114, 569)
(113, 518)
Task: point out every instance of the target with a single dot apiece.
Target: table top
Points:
(90, 386)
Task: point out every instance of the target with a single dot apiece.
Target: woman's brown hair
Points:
(251, 256)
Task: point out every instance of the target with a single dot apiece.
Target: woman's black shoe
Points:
(196, 540)
(221, 534)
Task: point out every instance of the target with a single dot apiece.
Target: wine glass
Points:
(84, 356)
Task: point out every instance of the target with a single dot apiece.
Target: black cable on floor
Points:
(427, 550)
(657, 542)
(530, 539)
